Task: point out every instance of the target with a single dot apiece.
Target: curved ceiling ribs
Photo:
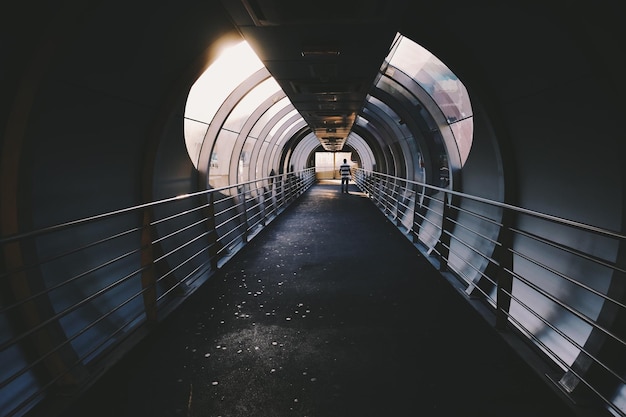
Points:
(346, 73)
(325, 56)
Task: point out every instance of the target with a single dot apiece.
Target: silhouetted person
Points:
(344, 170)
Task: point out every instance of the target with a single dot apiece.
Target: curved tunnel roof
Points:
(93, 123)
(239, 123)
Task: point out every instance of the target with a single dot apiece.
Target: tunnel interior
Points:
(109, 138)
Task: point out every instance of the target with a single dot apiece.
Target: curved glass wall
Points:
(210, 90)
(366, 157)
(260, 134)
(445, 89)
(250, 141)
(235, 120)
(303, 150)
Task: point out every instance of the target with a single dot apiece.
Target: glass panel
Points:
(379, 106)
(194, 136)
(437, 79)
(261, 158)
(244, 160)
(463, 131)
(271, 112)
(220, 158)
(289, 131)
(390, 85)
(250, 103)
(273, 152)
(207, 94)
(279, 124)
(213, 87)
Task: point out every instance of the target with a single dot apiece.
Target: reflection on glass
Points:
(220, 158)
(446, 90)
(435, 77)
(463, 131)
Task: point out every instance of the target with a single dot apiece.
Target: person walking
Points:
(344, 170)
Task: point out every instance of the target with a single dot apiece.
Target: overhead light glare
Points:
(320, 51)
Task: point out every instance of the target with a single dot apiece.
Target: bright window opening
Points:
(207, 94)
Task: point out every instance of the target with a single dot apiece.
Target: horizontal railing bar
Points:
(232, 229)
(565, 306)
(570, 250)
(545, 216)
(79, 361)
(471, 282)
(94, 269)
(256, 224)
(477, 215)
(474, 232)
(89, 219)
(179, 214)
(562, 334)
(204, 265)
(72, 279)
(291, 187)
(68, 340)
(228, 209)
(390, 194)
(178, 231)
(540, 343)
(178, 248)
(71, 308)
(426, 219)
(101, 266)
(225, 222)
(470, 247)
(233, 241)
(172, 270)
(569, 279)
(255, 215)
(70, 252)
(223, 200)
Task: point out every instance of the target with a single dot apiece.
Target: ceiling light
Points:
(320, 51)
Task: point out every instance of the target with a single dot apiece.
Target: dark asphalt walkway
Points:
(329, 312)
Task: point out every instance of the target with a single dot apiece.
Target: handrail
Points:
(555, 295)
(522, 210)
(113, 213)
(132, 268)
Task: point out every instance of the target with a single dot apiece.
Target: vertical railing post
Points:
(244, 212)
(212, 233)
(504, 279)
(280, 191)
(262, 204)
(419, 211)
(397, 207)
(388, 196)
(148, 276)
(444, 239)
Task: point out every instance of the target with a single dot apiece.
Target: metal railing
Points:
(77, 295)
(556, 283)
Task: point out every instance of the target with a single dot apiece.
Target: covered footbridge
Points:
(162, 163)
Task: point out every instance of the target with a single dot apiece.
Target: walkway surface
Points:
(329, 312)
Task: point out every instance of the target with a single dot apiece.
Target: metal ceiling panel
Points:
(325, 56)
